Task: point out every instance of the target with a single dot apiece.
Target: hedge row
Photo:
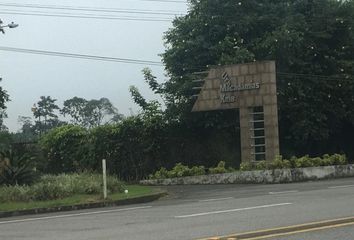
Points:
(294, 162)
(180, 170)
(133, 148)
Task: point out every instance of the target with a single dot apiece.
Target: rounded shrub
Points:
(220, 168)
(198, 170)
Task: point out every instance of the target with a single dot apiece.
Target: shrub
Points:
(49, 191)
(279, 163)
(52, 187)
(179, 170)
(16, 169)
(14, 193)
(303, 162)
(246, 166)
(220, 168)
(326, 160)
(160, 174)
(316, 162)
(83, 183)
(64, 148)
(198, 170)
(337, 159)
(261, 165)
(294, 162)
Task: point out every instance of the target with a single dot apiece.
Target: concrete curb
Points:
(289, 230)
(137, 200)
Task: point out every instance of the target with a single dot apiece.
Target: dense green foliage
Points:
(77, 111)
(16, 169)
(64, 149)
(4, 97)
(45, 114)
(134, 147)
(51, 187)
(312, 43)
(90, 113)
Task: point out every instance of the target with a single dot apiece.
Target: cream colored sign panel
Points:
(237, 86)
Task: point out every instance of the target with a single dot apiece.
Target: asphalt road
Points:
(342, 233)
(194, 212)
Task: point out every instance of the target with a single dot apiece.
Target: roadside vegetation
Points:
(181, 170)
(24, 186)
(57, 152)
(75, 199)
(52, 187)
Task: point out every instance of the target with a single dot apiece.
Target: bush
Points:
(246, 166)
(160, 174)
(179, 170)
(16, 169)
(198, 170)
(261, 165)
(15, 194)
(326, 160)
(52, 187)
(337, 159)
(303, 162)
(64, 148)
(294, 162)
(220, 168)
(279, 163)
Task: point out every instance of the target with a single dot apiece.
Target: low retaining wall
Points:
(262, 176)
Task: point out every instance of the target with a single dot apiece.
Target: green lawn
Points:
(134, 191)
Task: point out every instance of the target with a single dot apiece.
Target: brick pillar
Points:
(245, 132)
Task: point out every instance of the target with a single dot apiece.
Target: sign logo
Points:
(226, 88)
(226, 84)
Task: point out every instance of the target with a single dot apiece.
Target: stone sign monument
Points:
(252, 89)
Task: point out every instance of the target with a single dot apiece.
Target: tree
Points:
(44, 111)
(75, 108)
(308, 39)
(137, 97)
(27, 133)
(4, 97)
(91, 113)
(3, 115)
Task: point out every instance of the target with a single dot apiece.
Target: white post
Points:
(104, 178)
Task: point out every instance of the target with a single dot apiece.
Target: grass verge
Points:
(133, 192)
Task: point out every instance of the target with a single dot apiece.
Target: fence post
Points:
(104, 178)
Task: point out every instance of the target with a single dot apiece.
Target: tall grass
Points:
(51, 187)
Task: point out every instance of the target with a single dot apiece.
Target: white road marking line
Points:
(343, 186)
(73, 215)
(233, 210)
(284, 192)
(215, 199)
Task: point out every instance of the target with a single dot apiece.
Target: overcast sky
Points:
(26, 77)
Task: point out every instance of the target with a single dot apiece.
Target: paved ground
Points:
(342, 233)
(193, 212)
